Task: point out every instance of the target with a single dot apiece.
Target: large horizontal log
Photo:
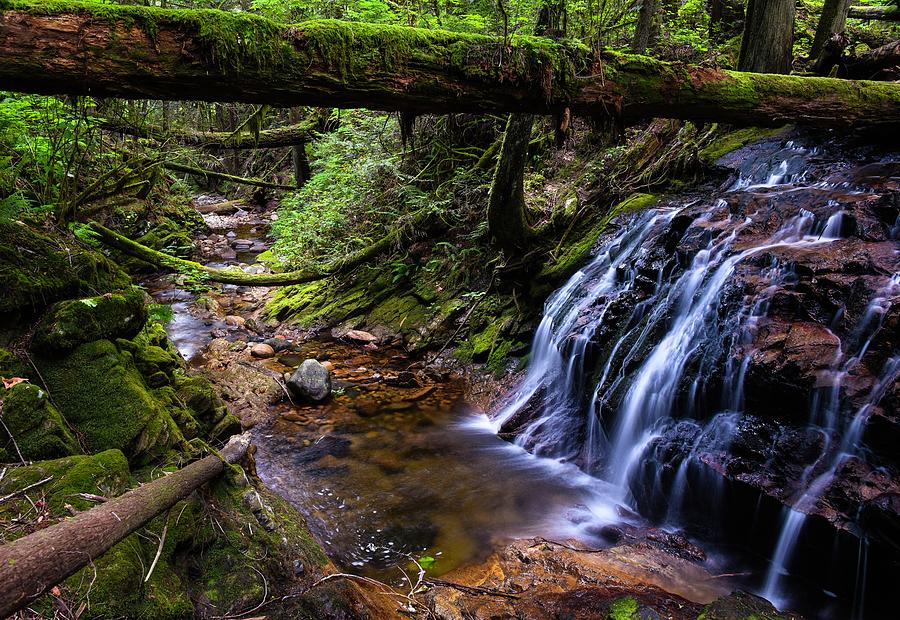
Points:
(885, 13)
(35, 563)
(291, 135)
(222, 176)
(58, 47)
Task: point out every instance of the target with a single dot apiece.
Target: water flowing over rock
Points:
(729, 361)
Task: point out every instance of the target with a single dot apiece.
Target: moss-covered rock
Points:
(37, 269)
(11, 365)
(732, 140)
(742, 606)
(100, 391)
(70, 323)
(36, 426)
(104, 474)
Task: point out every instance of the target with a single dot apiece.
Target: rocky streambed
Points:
(398, 470)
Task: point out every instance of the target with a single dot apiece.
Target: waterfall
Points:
(638, 347)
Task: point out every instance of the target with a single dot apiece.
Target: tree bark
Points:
(832, 21)
(645, 30)
(767, 44)
(145, 53)
(35, 563)
(211, 174)
(885, 13)
(507, 223)
(220, 140)
(871, 65)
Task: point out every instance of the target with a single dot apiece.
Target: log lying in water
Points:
(35, 563)
(291, 135)
(146, 53)
(417, 221)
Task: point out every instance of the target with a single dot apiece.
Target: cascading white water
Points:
(678, 331)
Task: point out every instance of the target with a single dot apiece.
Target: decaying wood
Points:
(870, 65)
(146, 53)
(33, 564)
(222, 208)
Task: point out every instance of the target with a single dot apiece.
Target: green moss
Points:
(104, 474)
(73, 322)
(573, 254)
(733, 140)
(37, 427)
(623, 609)
(100, 391)
(37, 269)
(742, 606)
(11, 365)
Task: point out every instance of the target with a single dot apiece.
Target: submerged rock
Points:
(311, 381)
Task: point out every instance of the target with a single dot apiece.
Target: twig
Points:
(470, 589)
(6, 498)
(162, 541)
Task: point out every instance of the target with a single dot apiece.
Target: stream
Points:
(652, 397)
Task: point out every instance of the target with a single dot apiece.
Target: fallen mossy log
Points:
(418, 220)
(291, 135)
(140, 52)
(211, 174)
(33, 564)
(871, 64)
(884, 13)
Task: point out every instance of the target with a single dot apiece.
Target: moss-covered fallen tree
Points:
(61, 47)
(885, 13)
(290, 135)
(417, 221)
(212, 174)
(33, 564)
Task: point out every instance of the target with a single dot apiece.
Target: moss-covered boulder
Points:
(70, 323)
(103, 474)
(37, 269)
(36, 426)
(99, 390)
(11, 365)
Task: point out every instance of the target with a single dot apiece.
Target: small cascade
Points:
(639, 365)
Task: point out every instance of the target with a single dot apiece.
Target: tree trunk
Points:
(886, 13)
(220, 140)
(873, 64)
(221, 176)
(507, 224)
(35, 563)
(831, 22)
(144, 53)
(767, 44)
(645, 30)
(302, 171)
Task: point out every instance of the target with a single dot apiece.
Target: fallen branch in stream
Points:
(162, 260)
(33, 564)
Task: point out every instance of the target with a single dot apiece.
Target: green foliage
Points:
(160, 313)
(342, 207)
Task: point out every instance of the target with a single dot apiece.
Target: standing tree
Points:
(646, 29)
(768, 41)
(832, 21)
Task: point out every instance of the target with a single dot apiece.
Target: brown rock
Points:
(262, 351)
(234, 320)
(358, 335)
(328, 365)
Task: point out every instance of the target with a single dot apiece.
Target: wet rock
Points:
(278, 344)
(310, 381)
(235, 321)
(402, 379)
(357, 335)
(262, 351)
(328, 366)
